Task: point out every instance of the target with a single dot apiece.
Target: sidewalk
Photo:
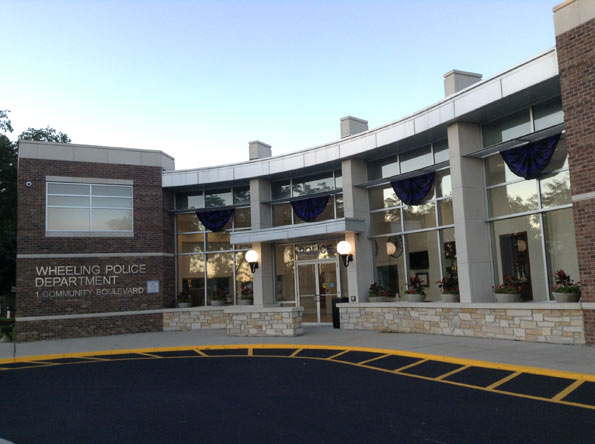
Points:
(574, 358)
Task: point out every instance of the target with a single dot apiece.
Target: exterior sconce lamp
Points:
(252, 259)
(344, 249)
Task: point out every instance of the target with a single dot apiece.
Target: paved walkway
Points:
(574, 358)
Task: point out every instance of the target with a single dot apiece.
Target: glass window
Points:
(390, 265)
(498, 171)
(510, 127)
(242, 218)
(218, 198)
(241, 196)
(516, 243)
(416, 159)
(449, 252)
(340, 206)
(418, 217)
(284, 274)
(69, 207)
(423, 261)
(338, 179)
(282, 214)
(313, 184)
(555, 190)
(191, 243)
(548, 114)
(560, 244)
(383, 168)
(446, 214)
(281, 189)
(514, 198)
(384, 197)
(218, 241)
(184, 201)
(244, 284)
(220, 283)
(385, 222)
(189, 223)
(191, 277)
(559, 160)
(443, 183)
(441, 151)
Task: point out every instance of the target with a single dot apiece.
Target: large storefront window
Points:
(284, 190)
(531, 223)
(209, 268)
(413, 240)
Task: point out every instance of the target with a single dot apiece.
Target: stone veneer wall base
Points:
(540, 322)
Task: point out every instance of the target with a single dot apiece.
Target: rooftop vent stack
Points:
(455, 81)
(352, 125)
(259, 150)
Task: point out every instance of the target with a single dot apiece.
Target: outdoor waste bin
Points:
(336, 317)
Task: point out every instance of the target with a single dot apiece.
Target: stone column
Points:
(574, 22)
(360, 273)
(260, 214)
(469, 206)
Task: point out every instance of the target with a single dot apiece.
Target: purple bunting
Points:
(413, 190)
(215, 220)
(530, 160)
(309, 209)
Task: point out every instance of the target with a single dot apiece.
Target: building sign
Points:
(314, 251)
(79, 281)
(152, 287)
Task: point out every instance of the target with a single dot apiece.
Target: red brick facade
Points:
(576, 60)
(121, 280)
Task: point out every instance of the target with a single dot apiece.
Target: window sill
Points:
(89, 234)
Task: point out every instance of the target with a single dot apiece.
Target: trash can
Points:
(336, 317)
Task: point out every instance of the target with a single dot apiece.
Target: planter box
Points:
(184, 304)
(449, 297)
(566, 297)
(245, 302)
(414, 297)
(215, 303)
(507, 297)
(376, 299)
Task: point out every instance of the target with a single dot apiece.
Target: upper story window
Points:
(538, 117)
(409, 161)
(88, 207)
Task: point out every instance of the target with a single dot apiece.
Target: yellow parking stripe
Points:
(374, 359)
(456, 370)
(293, 355)
(405, 367)
(200, 352)
(572, 387)
(502, 381)
(337, 355)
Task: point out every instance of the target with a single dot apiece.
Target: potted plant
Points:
(416, 291)
(219, 298)
(246, 294)
(510, 290)
(184, 300)
(449, 288)
(566, 290)
(377, 293)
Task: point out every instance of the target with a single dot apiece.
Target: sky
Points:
(200, 79)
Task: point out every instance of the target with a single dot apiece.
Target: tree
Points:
(8, 193)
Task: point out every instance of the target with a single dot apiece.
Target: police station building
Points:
(494, 183)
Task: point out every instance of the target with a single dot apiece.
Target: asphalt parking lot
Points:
(287, 394)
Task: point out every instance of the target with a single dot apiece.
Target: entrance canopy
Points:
(299, 231)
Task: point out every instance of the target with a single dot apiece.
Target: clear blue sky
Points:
(199, 79)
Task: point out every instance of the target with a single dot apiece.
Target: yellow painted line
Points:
(342, 348)
(200, 352)
(572, 387)
(151, 356)
(374, 359)
(250, 351)
(337, 355)
(405, 367)
(293, 355)
(456, 370)
(502, 381)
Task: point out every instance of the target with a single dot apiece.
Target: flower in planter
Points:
(415, 286)
(184, 297)
(511, 285)
(449, 284)
(376, 290)
(220, 295)
(564, 284)
(246, 291)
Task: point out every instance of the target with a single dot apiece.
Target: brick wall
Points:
(153, 233)
(576, 60)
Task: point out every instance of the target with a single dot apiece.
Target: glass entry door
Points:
(318, 284)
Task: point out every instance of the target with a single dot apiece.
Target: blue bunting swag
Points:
(309, 209)
(529, 161)
(413, 190)
(215, 220)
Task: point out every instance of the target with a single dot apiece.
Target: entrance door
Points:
(318, 284)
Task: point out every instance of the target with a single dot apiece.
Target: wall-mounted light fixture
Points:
(252, 259)
(344, 249)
